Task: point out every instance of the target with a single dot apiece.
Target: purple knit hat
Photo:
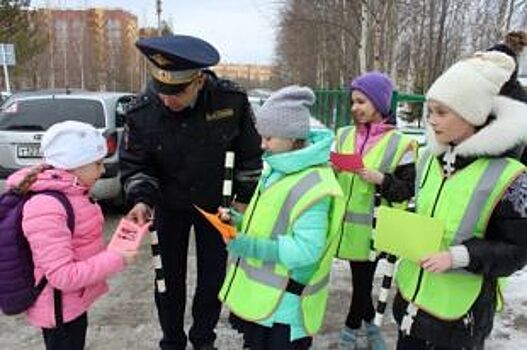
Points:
(377, 87)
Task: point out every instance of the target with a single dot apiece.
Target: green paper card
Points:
(407, 235)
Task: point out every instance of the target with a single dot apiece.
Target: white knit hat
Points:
(470, 85)
(286, 113)
(71, 144)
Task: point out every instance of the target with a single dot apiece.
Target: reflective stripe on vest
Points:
(294, 195)
(387, 160)
(356, 218)
(424, 159)
(451, 294)
(483, 189)
(389, 153)
(344, 137)
(267, 276)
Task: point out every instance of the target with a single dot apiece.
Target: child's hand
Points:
(128, 256)
(371, 176)
(335, 168)
(439, 262)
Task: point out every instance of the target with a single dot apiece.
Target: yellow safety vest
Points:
(352, 215)
(464, 202)
(252, 288)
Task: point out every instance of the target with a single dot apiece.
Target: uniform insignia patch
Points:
(160, 60)
(220, 114)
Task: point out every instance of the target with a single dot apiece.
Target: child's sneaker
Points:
(375, 338)
(348, 339)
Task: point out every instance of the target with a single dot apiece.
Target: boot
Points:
(348, 339)
(375, 338)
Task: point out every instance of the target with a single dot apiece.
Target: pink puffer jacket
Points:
(366, 139)
(78, 263)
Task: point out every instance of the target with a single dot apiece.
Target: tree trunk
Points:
(363, 38)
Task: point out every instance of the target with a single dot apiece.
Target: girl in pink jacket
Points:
(75, 263)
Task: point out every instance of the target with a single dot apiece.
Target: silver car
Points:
(25, 116)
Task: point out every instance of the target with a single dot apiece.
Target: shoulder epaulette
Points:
(232, 86)
(138, 103)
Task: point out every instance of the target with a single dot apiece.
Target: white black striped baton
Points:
(386, 285)
(161, 286)
(228, 180)
(385, 289)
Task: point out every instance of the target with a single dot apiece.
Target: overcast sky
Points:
(242, 30)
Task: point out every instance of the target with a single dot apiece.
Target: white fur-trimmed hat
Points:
(470, 85)
(72, 144)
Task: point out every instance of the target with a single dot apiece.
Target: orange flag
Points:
(226, 230)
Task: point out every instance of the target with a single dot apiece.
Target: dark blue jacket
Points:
(176, 159)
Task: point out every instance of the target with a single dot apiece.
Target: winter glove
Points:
(258, 248)
(236, 218)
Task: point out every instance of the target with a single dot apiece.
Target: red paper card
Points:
(349, 162)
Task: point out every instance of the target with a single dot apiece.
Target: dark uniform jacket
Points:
(176, 159)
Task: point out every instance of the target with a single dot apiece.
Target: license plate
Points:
(28, 150)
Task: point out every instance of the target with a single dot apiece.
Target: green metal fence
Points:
(333, 109)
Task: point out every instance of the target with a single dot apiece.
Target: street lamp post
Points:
(158, 10)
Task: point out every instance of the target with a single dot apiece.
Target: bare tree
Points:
(323, 43)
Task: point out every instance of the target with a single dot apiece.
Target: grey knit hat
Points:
(286, 113)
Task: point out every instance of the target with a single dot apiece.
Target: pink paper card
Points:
(349, 162)
(128, 235)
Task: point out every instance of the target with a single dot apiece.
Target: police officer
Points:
(172, 157)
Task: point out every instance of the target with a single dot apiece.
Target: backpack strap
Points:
(61, 197)
(70, 221)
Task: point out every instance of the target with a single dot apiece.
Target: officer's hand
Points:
(224, 214)
(140, 214)
(439, 262)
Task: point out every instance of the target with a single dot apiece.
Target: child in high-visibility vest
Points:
(466, 180)
(278, 280)
(387, 173)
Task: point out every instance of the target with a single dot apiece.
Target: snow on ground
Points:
(510, 327)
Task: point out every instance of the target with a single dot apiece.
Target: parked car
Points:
(4, 95)
(25, 116)
(256, 102)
